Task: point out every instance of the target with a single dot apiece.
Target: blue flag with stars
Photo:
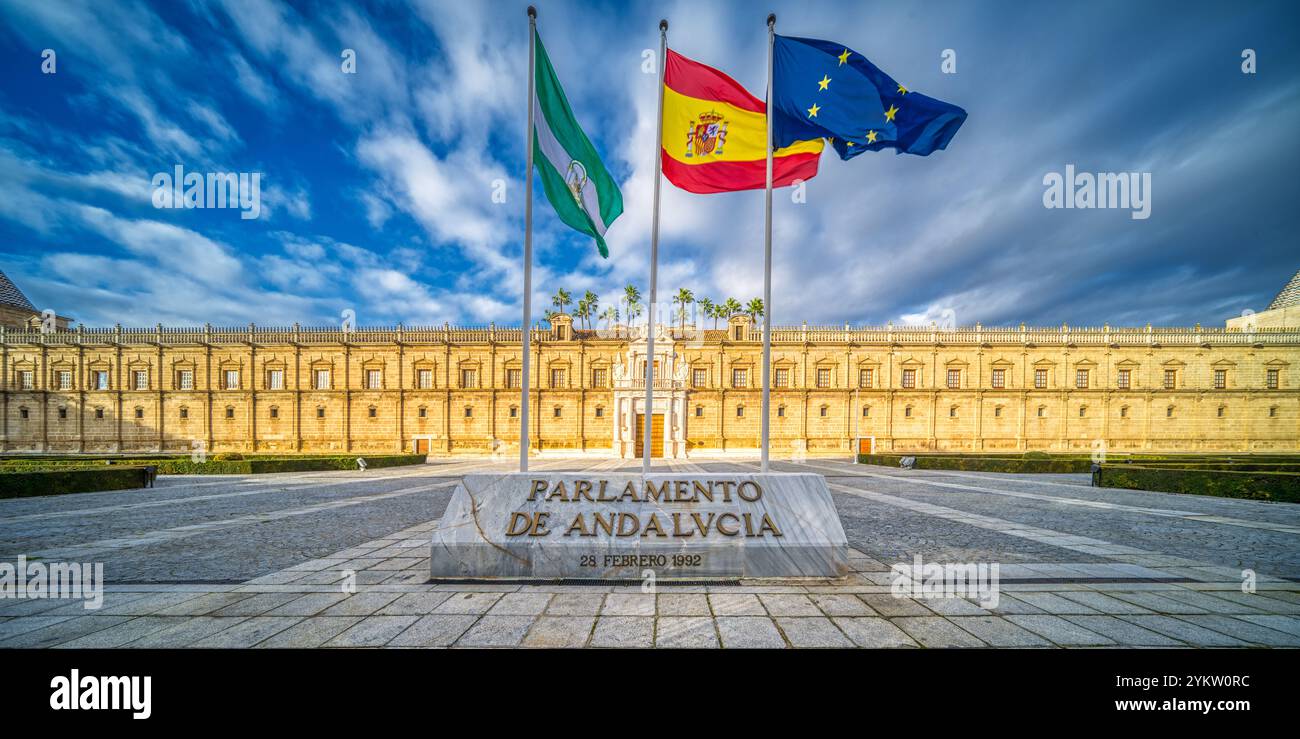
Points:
(825, 90)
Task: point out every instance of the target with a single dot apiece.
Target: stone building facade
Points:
(451, 391)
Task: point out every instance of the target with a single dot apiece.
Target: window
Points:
(909, 378)
(1125, 379)
(700, 377)
(140, 380)
(1272, 412)
(275, 379)
(1083, 411)
(230, 412)
(557, 378)
(424, 412)
(1220, 379)
(1222, 411)
(557, 412)
(780, 411)
(866, 411)
(781, 377)
(320, 412)
(866, 378)
(99, 414)
(999, 378)
(1123, 412)
(469, 378)
(1270, 380)
(599, 377)
(469, 411)
(997, 411)
(372, 412)
(1171, 379)
(1040, 378)
(185, 379)
(374, 379)
(1169, 412)
(424, 379)
(823, 377)
(740, 411)
(63, 379)
(275, 412)
(232, 380)
(1042, 411)
(907, 412)
(99, 380)
(514, 411)
(824, 411)
(1081, 379)
(185, 413)
(26, 379)
(740, 378)
(139, 413)
(22, 413)
(738, 333)
(600, 411)
(699, 411)
(954, 379)
(63, 413)
(952, 412)
(514, 378)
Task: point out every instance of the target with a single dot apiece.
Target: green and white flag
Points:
(576, 182)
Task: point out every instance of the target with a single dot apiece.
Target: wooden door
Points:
(656, 435)
(421, 446)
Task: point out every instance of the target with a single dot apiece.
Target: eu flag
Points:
(821, 89)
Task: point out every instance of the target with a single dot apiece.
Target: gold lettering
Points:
(677, 528)
(539, 487)
(701, 491)
(724, 531)
(726, 490)
(539, 524)
(660, 494)
(653, 525)
(758, 491)
(749, 524)
(625, 518)
(602, 498)
(559, 492)
(769, 525)
(579, 523)
(704, 525)
(629, 493)
(519, 517)
(601, 523)
(582, 489)
(681, 491)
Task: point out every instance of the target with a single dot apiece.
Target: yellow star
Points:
(902, 89)
(844, 57)
(850, 143)
(871, 137)
(826, 80)
(889, 114)
(812, 112)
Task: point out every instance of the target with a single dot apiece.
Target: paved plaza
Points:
(260, 561)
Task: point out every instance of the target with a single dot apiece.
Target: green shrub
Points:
(982, 463)
(228, 457)
(1276, 486)
(63, 481)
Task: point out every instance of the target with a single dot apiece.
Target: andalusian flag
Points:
(577, 184)
(715, 134)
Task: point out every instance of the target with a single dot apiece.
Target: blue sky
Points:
(377, 187)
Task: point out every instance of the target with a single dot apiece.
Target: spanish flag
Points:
(715, 133)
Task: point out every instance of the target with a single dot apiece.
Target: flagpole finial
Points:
(771, 19)
(663, 24)
(532, 12)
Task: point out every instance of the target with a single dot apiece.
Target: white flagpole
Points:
(528, 248)
(648, 441)
(767, 258)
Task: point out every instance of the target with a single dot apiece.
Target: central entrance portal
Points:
(656, 435)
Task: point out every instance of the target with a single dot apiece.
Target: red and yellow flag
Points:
(715, 134)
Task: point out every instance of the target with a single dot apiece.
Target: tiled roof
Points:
(10, 295)
(1289, 296)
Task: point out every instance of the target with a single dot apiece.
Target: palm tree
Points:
(561, 299)
(593, 303)
(631, 296)
(548, 314)
(706, 310)
(683, 298)
(754, 309)
(582, 311)
(611, 315)
(729, 308)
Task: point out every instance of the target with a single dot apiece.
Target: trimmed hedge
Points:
(62, 482)
(213, 466)
(1276, 486)
(981, 464)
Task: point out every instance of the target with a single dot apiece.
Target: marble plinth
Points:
(551, 526)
